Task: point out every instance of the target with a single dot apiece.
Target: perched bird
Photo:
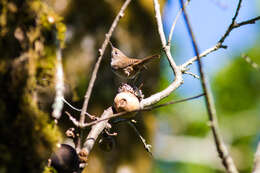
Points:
(125, 67)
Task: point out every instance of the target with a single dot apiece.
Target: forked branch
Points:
(219, 44)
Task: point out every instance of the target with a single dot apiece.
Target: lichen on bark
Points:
(27, 70)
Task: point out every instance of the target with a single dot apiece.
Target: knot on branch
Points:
(128, 99)
(83, 155)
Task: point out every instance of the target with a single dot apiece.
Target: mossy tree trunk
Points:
(27, 73)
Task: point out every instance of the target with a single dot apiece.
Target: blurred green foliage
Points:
(237, 86)
(167, 167)
(27, 70)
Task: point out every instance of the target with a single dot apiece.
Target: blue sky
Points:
(210, 19)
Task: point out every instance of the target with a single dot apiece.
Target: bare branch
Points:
(76, 109)
(172, 102)
(96, 130)
(192, 74)
(227, 161)
(257, 160)
(251, 21)
(178, 74)
(219, 45)
(231, 26)
(144, 109)
(93, 117)
(74, 121)
(146, 146)
(174, 23)
(159, 22)
(101, 51)
(203, 54)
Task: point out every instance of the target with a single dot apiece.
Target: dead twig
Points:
(227, 160)
(192, 74)
(146, 146)
(219, 44)
(250, 21)
(176, 70)
(72, 119)
(174, 23)
(149, 108)
(95, 131)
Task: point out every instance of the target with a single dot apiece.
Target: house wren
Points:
(125, 67)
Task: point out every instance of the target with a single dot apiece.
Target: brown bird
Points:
(125, 67)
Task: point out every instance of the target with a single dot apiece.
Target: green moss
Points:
(28, 134)
(45, 71)
(231, 84)
(49, 20)
(49, 170)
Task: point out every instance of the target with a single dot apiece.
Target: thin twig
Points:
(219, 44)
(172, 102)
(146, 146)
(231, 26)
(76, 109)
(74, 121)
(96, 130)
(174, 23)
(251, 21)
(221, 147)
(250, 62)
(203, 54)
(95, 71)
(143, 109)
(162, 36)
(192, 74)
(79, 110)
(159, 22)
(257, 160)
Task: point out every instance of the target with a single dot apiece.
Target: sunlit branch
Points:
(174, 23)
(149, 108)
(219, 44)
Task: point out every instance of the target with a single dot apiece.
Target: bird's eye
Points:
(116, 52)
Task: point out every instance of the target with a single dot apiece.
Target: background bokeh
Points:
(179, 134)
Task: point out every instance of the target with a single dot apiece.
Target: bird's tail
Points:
(147, 59)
